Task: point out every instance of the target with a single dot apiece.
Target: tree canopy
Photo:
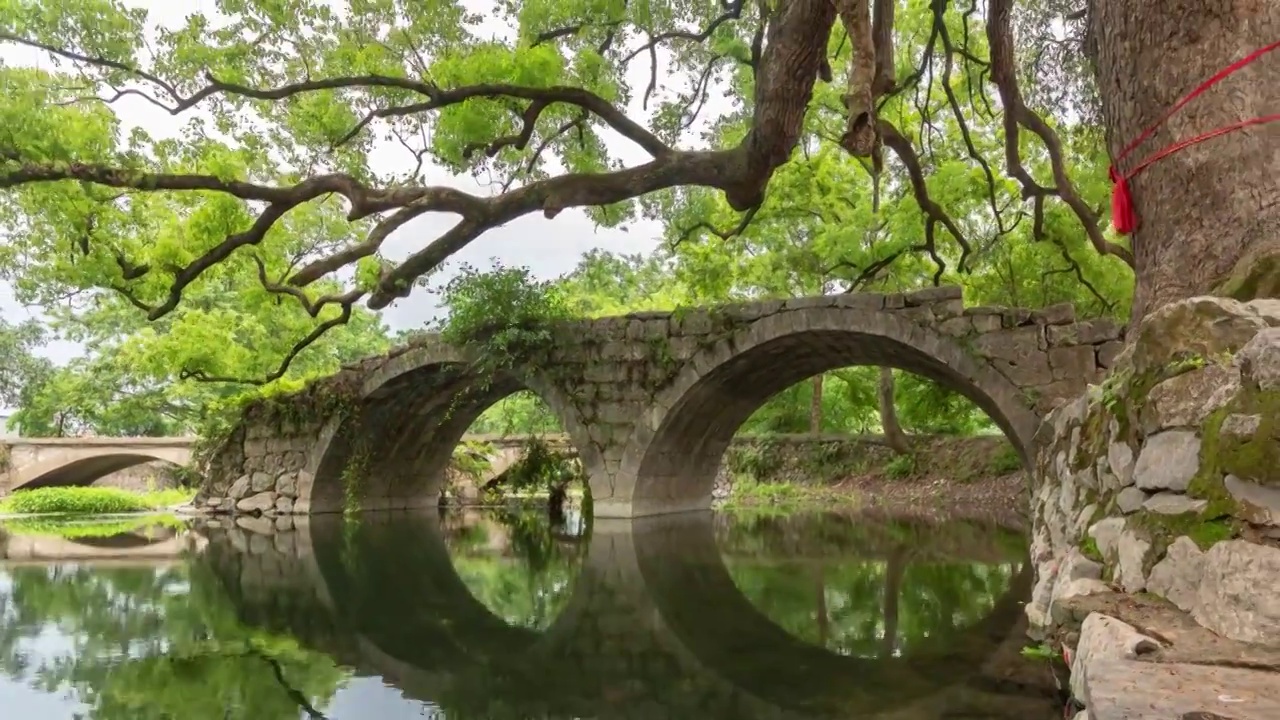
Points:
(833, 140)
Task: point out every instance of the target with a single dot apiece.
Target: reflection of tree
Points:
(861, 589)
(528, 583)
(152, 642)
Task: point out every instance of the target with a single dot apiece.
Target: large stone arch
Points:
(77, 467)
(414, 410)
(675, 450)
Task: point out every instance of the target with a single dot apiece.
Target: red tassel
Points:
(1123, 216)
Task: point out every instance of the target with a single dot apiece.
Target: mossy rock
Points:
(1253, 278)
(1254, 456)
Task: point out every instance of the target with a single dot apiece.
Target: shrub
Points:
(83, 501)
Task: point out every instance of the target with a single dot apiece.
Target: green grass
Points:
(78, 529)
(90, 501)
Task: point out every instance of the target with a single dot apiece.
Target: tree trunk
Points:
(815, 407)
(1209, 213)
(893, 433)
(824, 616)
(896, 568)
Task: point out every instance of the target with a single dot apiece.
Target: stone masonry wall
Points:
(608, 372)
(1165, 479)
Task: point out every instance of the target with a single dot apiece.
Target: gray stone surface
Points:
(1120, 459)
(1172, 503)
(1106, 534)
(1260, 504)
(1259, 360)
(1182, 401)
(261, 502)
(1130, 499)
(1119, 689)
(1177, 576)
(1105, 638)
(1132, 552)
(1168, 461)
(1238, 595)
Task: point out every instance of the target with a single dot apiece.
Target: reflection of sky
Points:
(18, 696)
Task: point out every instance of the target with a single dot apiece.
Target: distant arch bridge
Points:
(27, 463)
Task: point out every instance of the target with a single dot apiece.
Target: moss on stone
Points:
(1252, 279)
(1089, 548)
(1258, 457)
(1161, 530)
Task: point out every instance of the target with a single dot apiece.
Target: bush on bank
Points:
(89, 501)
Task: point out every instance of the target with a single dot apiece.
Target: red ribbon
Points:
(1123, 215)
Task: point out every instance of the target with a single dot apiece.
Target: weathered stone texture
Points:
(1174, 459)
(34, 462)
(611, 379)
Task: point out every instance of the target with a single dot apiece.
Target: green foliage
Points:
(901, 467)
(540, 469)
(472, 458)
(89, 501)
(1006, 460)
(506, 314)
(71, 530)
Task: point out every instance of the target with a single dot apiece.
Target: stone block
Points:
(947, 309)
(1017, 345)
(1132, 553)
(1015, 317)
(1177, 576)
(1259, 504)
(1168, 461)
(1205, 326)
(1074, 363)
(1130, 500)
(1172, 503)
(1120, 689)
(1237, 596)
(1105, 638)
(922, 314)
(257, 503)
(860, 301)
(287, 484)
(927, 296)
(1106, 535)
(261, 482)
(895, 301)
(1087, 332)
(1120, 460)
(1259, 360)
(697, 322)
(1182, 401)
(240, 487)
(1059, 314)
(956, 326)
(1108, 353)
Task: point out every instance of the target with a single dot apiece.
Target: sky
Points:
(548, 247)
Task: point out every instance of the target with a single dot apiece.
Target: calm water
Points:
(476, 615)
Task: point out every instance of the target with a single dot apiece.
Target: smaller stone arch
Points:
(80, 466)
(676, 448)
(414, 410)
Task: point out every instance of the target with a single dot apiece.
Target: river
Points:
(497, 614)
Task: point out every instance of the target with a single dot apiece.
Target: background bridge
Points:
(42, 462)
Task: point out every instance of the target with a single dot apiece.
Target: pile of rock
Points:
(1166, 478)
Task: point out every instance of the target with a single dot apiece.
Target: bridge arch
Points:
(676, 449)
(414, 410)
(82, 465)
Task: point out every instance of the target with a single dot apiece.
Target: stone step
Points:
(1138, 690)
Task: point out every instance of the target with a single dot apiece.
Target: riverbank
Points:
(967, 475)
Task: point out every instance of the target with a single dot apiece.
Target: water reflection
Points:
(504, 616)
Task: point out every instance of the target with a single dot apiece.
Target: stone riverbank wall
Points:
(1163, 483)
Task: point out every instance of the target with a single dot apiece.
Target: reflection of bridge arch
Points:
(414, 410)
(675, 451)
(651, 588)
(685, 574)
(168, 544)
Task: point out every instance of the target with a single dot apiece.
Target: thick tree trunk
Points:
(1208, 213)
(815, 407)
(893, 434)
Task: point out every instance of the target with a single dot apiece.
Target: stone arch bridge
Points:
(42, 462)
(651, 400)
